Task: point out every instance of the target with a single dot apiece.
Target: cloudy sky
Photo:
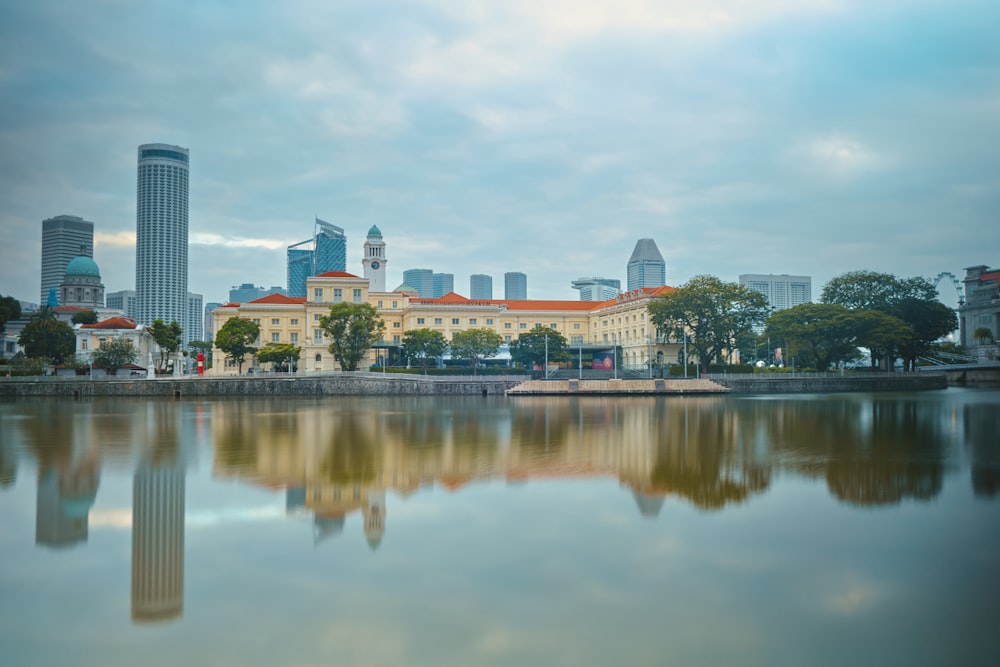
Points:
(545, 136)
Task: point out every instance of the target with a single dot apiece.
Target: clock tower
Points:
(374, 260)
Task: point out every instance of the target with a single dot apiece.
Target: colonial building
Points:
(617, 325)
(90, 336)
(981, 311)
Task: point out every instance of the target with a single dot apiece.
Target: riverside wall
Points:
(784, 384)
(330, 385)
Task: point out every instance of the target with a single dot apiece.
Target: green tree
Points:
(10, 309)
(114, 354)
(424, 345)
(236, 337)
(353, 328)
(529, 348)
(982, 336)
(282, 356)
(475, 345)
(819, 334)
(205, 347)
(84, 317)
(881, 333)
(714, 314)
(928, 321)
(46, 336)
(167, 337)
(870, 290)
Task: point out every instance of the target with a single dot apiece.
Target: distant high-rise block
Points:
(161, 238)
(125, 301)
(62, 238)
(249, 292)
(515, 286)
(442, 283)
(195, 317)
(480, 287)
(421, 280)
(782, 291)
(646, 267)
(597, 289)
(208, 330)
(325, 251)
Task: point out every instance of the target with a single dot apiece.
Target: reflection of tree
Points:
(351, 456)
(982, 424)
(236, 439)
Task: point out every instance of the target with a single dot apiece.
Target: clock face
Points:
(375, 265)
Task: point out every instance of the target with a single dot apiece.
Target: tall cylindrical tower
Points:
(161, 230)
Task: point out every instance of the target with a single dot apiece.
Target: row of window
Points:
(338, 294)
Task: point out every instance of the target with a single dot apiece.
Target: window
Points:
(455, 321)
(420, 320)
(256, 321)
(489, 321)
(395, 339)
(317, 293)
(472, 321)
(357, 295)
(554, 325)
(379, 303)
(275, 322)
(83, 344)
(316, 317)
(438, 321)
(319, 358)
(317, 335)
(295, 322)
(506, 338)
(295, 338)
(395, 325)
(522, 325)
(538, 325)
(338, 295)
(576, 340)
(506, 325)
(395, 304)
(576, 326)
(275, 337)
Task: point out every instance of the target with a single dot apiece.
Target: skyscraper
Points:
(161, 235)
(597, 289)
(515, 286)
(646, 267)
(480, 287)
(782, 291)
(325, 251)
(300, 263)
(125, 301)
(62, 238)
(421, 280)
(442, 283)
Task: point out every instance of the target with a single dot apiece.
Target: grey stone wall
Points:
(783, 384)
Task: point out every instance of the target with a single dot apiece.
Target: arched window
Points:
(319, 358)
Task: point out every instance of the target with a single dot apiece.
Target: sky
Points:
(809, 137)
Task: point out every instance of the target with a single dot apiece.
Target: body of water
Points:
(848, 529)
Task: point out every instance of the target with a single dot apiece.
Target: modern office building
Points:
(124, 301)
(208, 331)
(421, 280)
(480, 287)
(249, 292)
(646, 267)
(442, 283)
(62, 238)
(515, 286)
(374, 260)
(597, 289)
(325, 251)
(782, 291)
(195, 317)
(161, 239)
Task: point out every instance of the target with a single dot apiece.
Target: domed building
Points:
(81, 285)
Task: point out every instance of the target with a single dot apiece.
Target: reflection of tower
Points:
(157, 543)
(374, 513)
(60, 512)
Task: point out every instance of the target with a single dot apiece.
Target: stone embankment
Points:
(616, 387)
(785, 384)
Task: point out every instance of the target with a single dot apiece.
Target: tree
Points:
(114, 354)
(424, 345)
(10, 309)
(167, 337)
(881, 333)
(84, 317)
(353, 328)
(475, 345)
(870, 290)
(713, 314)
(529, 348)
(46, 336)
(205, 347)
(236, 338)
(820, 334)
(982, 336)
(282, 356)
(928, 321)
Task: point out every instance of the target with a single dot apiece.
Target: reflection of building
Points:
(157, 543)
(61, 517)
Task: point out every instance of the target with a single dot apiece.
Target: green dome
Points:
(83, 266)
(374, 231)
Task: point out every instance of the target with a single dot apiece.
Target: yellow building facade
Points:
(622, 322)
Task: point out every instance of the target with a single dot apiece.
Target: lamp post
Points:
(546, 356)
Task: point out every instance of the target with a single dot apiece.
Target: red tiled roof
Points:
(280, 299)
(113, 323)
(337, 274)
(452, 297)
(542, 304)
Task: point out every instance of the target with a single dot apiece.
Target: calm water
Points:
(851, 529)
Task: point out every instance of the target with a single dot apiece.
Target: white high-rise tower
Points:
(161, 235)
(374, 260)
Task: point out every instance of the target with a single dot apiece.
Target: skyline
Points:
(808, 138)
